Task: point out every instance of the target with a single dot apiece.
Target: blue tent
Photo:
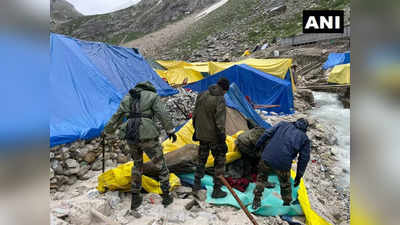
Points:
(235, 99)
(87, 82)
(336, 59)
(262, 88)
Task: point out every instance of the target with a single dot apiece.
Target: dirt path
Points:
(150, 42)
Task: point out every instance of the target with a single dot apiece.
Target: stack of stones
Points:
(72, 162)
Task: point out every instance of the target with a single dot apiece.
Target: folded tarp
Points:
(262, 88)
(336, 59)
(87, 82)
(340, 74)
(235, 99)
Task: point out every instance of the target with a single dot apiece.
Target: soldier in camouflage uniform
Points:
(209, 124)
(246, 144)
(287, 140)
(139, 108)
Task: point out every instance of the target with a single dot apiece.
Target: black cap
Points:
(223, 83)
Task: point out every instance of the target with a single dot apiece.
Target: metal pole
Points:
(104, 153)
(238, 200)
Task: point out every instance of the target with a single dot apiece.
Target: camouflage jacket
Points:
(250, 137)
(150, 104)
(209, 114)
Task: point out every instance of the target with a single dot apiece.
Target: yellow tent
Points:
(179, 75)
(173, 64)
(181, 70)
(340, 74)
(276, 67)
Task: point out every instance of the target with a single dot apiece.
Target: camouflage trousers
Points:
(153, 150)
(250, 157)
(264, 170)
(219, 153)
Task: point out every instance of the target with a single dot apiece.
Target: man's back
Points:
(210, 114)
(287, 141)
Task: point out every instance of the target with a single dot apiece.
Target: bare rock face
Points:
(126, 24)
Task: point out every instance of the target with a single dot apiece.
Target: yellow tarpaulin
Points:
(184, 137)
(180, 75)
(312, 218)
(173, 64)
(340, 74)
(246, 53)
(120, 178)
(179, 70)
(276, 67)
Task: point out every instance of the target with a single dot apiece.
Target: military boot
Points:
(167, 199)
(136, 200)
(218, 193)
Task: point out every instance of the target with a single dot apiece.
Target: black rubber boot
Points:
(218, 193)
(167, 199)
(136, 200)
(256, 203)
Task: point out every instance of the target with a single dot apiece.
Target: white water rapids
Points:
(329, 111)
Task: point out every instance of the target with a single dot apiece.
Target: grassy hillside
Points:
(241, 24)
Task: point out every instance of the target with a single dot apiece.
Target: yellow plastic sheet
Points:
(276, 67)
(246, 53)
(173, 64)
(312, 218)
(340, 74)
(179, 75)
(184, 137)
(119, 178)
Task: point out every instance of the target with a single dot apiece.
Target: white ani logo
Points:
(324, 22)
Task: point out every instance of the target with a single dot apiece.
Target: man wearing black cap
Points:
(286, 141)
(209, 128)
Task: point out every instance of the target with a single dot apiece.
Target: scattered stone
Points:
(90, 157)
(92, 194)
(97, 165)
(60, 212)
(122, 158)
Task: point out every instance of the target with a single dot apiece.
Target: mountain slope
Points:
(128, 24)
(240, 25)
(61, 10)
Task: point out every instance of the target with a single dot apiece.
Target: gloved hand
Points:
(172, 137)
(297, 181)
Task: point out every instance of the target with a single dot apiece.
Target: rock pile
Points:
(181, 105)
(72, 162)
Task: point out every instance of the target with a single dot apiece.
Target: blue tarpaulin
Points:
(336, 59)
(235, 99)
(262, 88)
(87, 82)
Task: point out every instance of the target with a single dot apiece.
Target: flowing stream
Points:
(329, 111)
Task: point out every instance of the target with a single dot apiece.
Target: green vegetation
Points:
(245, 18)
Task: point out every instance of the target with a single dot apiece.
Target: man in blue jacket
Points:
(286, 141)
